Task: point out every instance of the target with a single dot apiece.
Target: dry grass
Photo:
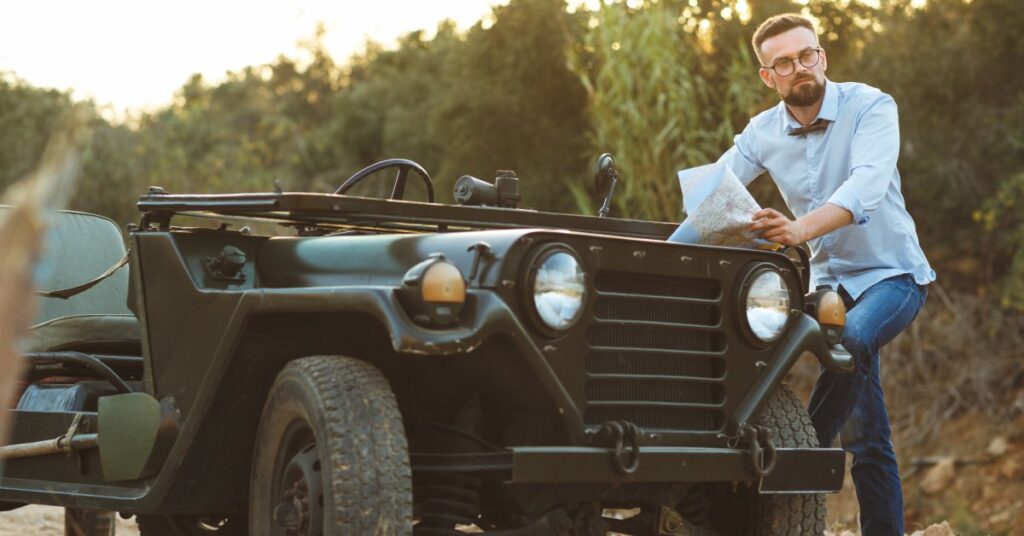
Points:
(953, 381)
(963, 353)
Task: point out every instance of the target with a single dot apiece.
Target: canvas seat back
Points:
(79, 247)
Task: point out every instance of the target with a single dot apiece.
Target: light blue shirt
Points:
(851, 164)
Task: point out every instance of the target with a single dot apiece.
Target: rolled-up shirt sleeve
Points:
(875, 148)
(743, 157)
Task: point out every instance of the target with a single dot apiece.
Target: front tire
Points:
(331, 455)
(783, 515)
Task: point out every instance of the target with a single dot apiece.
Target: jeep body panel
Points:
(214, 345)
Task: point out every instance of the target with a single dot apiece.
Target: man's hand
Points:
(778, 228)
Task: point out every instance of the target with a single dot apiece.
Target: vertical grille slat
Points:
(652, 336)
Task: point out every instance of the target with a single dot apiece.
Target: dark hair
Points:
(778, 24)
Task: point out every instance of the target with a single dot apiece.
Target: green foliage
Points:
(951, 66)
(1002, 217)
(513, 104)
(28, 116)
(659, 100)
(670, 82)
(661, 84)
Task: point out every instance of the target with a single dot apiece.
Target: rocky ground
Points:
(971, 476)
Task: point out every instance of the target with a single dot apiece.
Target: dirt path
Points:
(47, 521)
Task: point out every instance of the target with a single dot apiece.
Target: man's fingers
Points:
(767, 222)
(781, 236)
(781, 233)
(766, 213)
(770, 225)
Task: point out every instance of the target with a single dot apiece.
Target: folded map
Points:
(718, 208)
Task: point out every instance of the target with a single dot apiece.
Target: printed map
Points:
(718, 208)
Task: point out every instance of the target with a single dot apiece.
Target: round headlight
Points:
(767, 304)
(558, 287)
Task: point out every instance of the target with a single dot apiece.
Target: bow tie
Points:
(819, 124)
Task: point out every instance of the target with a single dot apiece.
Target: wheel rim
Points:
(297, 497)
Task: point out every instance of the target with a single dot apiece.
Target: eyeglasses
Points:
(787, 66)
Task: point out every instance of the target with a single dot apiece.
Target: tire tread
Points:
(363, 431)
(786, 515)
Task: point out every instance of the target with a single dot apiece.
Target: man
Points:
(832, 150)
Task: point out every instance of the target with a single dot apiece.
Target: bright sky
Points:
(135, 54)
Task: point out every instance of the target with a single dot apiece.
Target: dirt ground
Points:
(47, 521)
(971, 476)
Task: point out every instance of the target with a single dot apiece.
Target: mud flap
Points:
(135, 432)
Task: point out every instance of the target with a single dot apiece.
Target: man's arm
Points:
(778, 228)
(875, 149)
(743, 158)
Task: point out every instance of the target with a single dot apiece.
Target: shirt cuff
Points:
(845, 199)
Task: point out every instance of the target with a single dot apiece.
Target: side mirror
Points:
(602, 167)
(605, 177)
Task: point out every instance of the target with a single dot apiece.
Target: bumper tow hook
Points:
(621, 436)
(762, 451)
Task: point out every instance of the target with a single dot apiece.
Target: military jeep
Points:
(385, 366)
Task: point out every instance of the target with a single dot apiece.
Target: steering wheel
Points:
(403, 165)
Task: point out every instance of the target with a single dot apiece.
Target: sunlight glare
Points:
(743, 10)
(131, 54)
(704, 35)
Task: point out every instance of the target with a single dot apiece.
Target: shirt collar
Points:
(829, 103)
(829, 108)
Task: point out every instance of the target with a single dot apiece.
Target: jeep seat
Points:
(80, 247)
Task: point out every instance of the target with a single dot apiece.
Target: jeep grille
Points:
(655, 352)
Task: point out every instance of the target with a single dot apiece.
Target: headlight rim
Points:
(749, 276)
(534, 260)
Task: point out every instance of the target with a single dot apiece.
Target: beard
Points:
(805, 94)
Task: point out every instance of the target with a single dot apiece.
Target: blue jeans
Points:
(855, 399)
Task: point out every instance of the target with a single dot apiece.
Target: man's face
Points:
(805, 86)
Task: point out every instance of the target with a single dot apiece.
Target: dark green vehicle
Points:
(400, 367)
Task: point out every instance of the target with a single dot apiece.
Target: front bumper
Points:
(797, 470)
